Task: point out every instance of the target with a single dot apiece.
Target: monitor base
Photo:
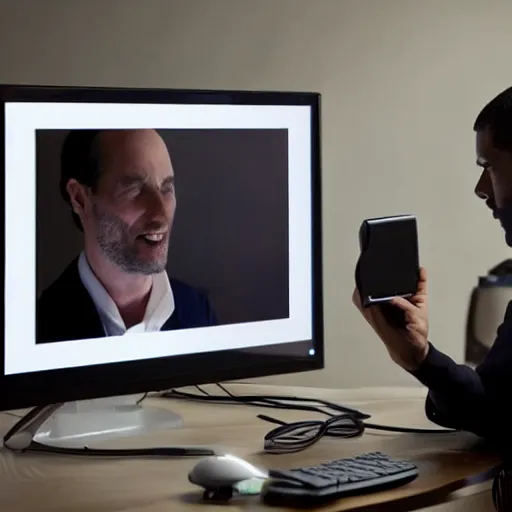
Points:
(79, 424)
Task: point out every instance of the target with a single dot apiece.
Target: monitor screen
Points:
(157, 238)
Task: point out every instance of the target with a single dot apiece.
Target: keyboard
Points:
(362, 474)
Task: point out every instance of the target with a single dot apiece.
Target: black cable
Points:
(200, 389)
(144, 396)
(354, 412)
(133, 452)
(296, 436)
(219, 385)
(409, 430)
(12, 414)
(274, 402)
(286, 438)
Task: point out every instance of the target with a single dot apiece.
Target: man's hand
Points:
(407, 347)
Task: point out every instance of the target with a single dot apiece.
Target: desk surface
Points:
(447, 462)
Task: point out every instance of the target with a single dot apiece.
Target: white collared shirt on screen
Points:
(160, 305)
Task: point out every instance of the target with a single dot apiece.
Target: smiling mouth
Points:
(152, 238)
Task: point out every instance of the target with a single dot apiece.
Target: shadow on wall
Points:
(230, 236)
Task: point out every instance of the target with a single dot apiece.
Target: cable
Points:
(296, 436)
(11, 414)
(274, 402)
(134, 452)
(292, 437)
(360, 415)
(278, 402)
(410, 430)
(199, 388)
(344, 422)
(144, 396)
(219, 385)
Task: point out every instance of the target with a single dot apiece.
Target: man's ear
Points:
(78, 197)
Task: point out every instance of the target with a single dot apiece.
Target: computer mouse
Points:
(223, 471)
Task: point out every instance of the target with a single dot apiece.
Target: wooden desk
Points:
(41, 483)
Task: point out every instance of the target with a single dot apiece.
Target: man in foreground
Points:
(459, 397)
(120, 187)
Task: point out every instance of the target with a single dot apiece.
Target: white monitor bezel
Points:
(22, 119)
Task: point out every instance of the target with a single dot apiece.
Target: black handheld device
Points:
(388, 265)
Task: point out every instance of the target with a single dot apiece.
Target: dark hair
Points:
(497, 117)
(80, 160)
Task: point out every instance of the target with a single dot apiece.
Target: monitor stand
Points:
(82, 423)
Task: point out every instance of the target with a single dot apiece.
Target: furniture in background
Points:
(487, 306)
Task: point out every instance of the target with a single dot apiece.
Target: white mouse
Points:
(223, 471)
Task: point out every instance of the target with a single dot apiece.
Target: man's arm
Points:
(478, 400)
(459, 397)
(456, 392)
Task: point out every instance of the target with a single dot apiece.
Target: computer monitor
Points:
(153, 239)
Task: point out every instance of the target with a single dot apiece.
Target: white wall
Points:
(402, 81)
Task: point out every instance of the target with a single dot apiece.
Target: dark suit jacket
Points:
(474, 400)
(65, 310)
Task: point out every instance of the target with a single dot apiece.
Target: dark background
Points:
(230, 234)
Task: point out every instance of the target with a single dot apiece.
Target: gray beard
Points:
(114, 240)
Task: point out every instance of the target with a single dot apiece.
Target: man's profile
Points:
(460, 397)
(120, 187)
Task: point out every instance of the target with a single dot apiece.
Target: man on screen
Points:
(120, 187)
